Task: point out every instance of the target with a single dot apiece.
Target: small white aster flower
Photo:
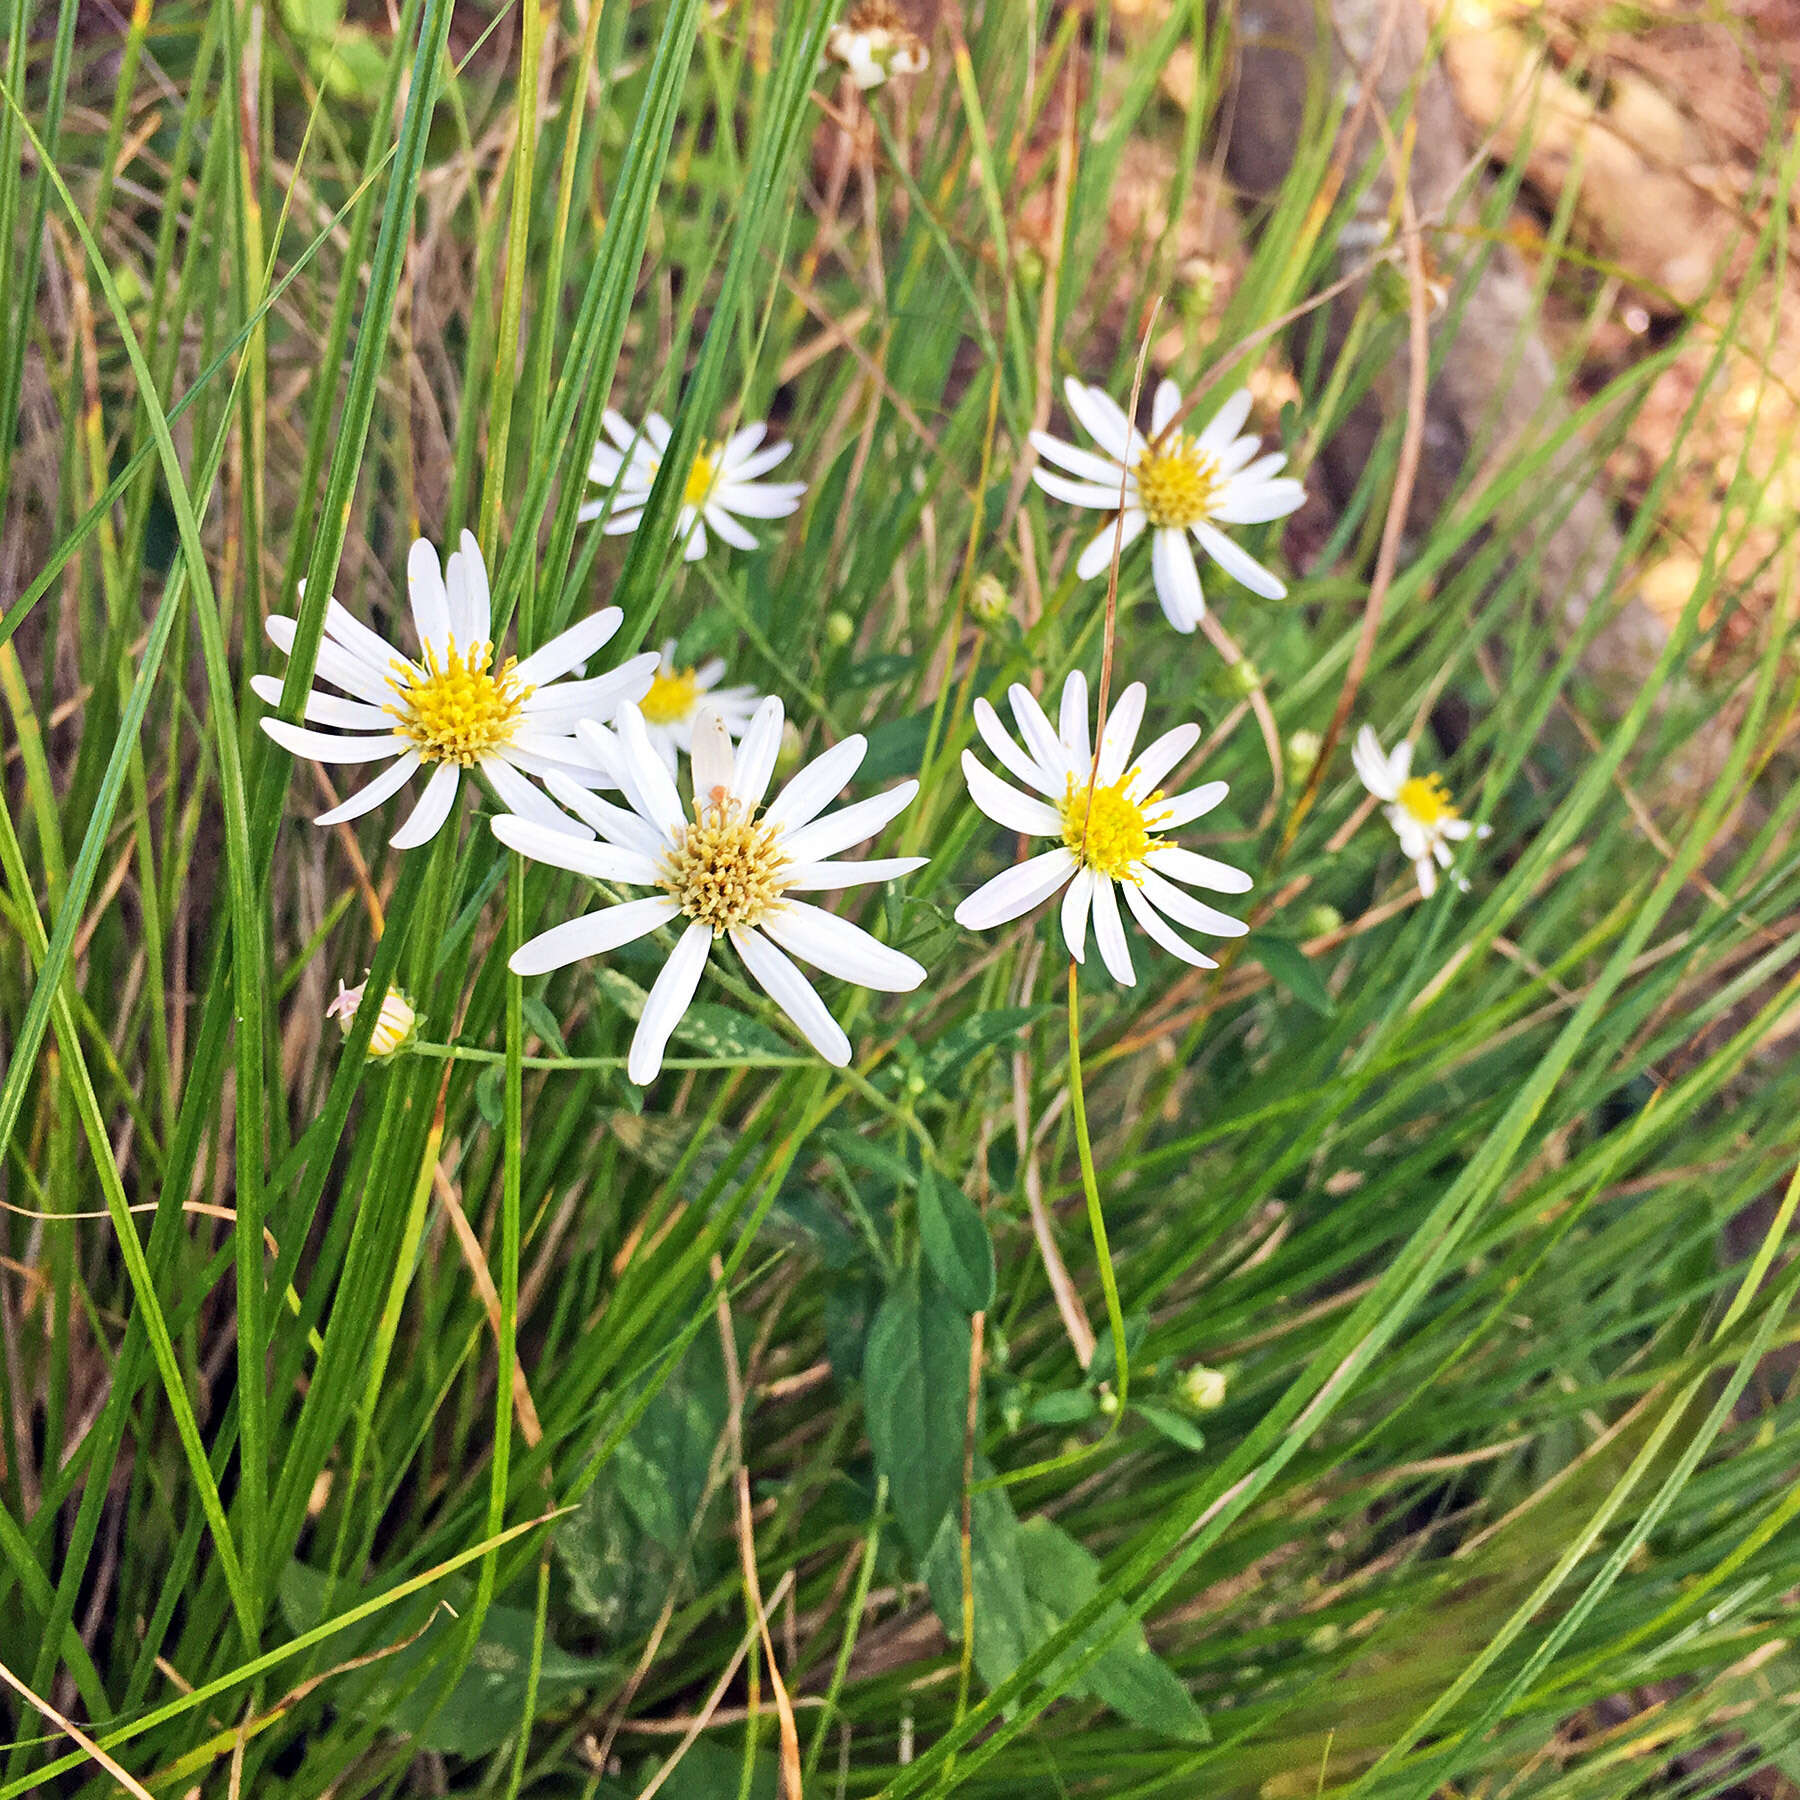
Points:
(874, 42)
(727, 867)
(676, 696)
(724, 485)
(394, 1024)
(1173, 484)
(1107, 845)
(452, 708)
(1417, 806)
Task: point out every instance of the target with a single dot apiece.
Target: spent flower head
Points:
(1172, 484)
(454, 708)
(724, 483)
(1417, 806)
(724, 866)
(1109, 816)
(874, 42)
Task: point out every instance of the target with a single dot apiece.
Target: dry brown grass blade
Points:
(85, 1743)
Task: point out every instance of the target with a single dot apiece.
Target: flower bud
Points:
(1302, 751)
(1320, 920)
(787, 757)
(840, 628)
(989, 600)
(1202, 1388)
(395, 1024)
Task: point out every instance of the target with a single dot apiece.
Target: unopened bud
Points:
(989, 600)
(395, 1024)
(1202, 1388)
(1302, 749)
(840, 628)
(1320, 920)
(787, 758)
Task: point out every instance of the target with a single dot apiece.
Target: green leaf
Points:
(1172, 1425)
(962, 1042)
(916, 1394)
(1067, 1406)
(1289, 965)
(896, 747)
(1061, 1577)
(719, 1031)
(1006, 1624)
(955, 1240)
(543, 1021)
(709, 1771)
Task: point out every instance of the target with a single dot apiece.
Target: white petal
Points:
(1159, 931)
(613, 823)
(430, 604)
(1455, 829)
(742, 442)
(814, 787)
(328, 747)
(1082, 463)
(1078, 493)
(466, 584)
(1016, 891)
(1264, 468)
(563, 850)
(793, 993)
(656, 429)
(518, 795)
(1177, 580)
(1047, 750)
(1165, 406)
(563, 703)
(999, 740)
(1159, 757)
(760, 464)
(1255, 503)
(640, 773)
(1098, 554)
(756, 754)
(335, 664)
(326, 709)
(1183, 809)
(620, 429)
(1072, 720)
(1427, 876)
(760, 500)
(690, 531)
(713, 759)
(389, 782)
(427, 818)
(1109, 934)
(1199, 871)
(1226, 423)
(569, 649)
(1078, 897)
(1400, 763)
(1006, 805)
(1184, 909)
(848, 825)
(365, 645)
(728, 530)
(812, 877)
(1120, 735)
(1102, 418)
(841, 948)
(1239, 563)
(620, 524)
(593, 934)
(669, 999)
(1372, 766)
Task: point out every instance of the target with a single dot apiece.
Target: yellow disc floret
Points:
(459, 709)
(1177, 483)
(725, 869)
(1111, 833)
(701, 477)
(1426, 799)
(672, 696)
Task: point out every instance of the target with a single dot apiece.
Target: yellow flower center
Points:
(458, 710)
(724, 870)
(701, 478)
(1426, 799)
(671, 697)
(1177, 483)
(1110, 833)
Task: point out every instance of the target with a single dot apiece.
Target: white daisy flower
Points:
(1417, 806)
(874, 42)
(456, 710)
(728, 870)
(1108, 845)
(1174, 484)
(723, 486)
(394, 1024)
(675, 699)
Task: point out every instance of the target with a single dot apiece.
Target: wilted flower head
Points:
(873, 41)
(394, 1024)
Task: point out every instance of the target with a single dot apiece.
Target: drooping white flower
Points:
(676, 696)
(874, 42)
(1417, 806)
(723, 486)
(452, 709)
(726, 867)
(1108, 818)
(394, 1024)
(1173, 484)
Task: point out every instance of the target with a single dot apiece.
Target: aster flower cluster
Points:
(724, 869)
